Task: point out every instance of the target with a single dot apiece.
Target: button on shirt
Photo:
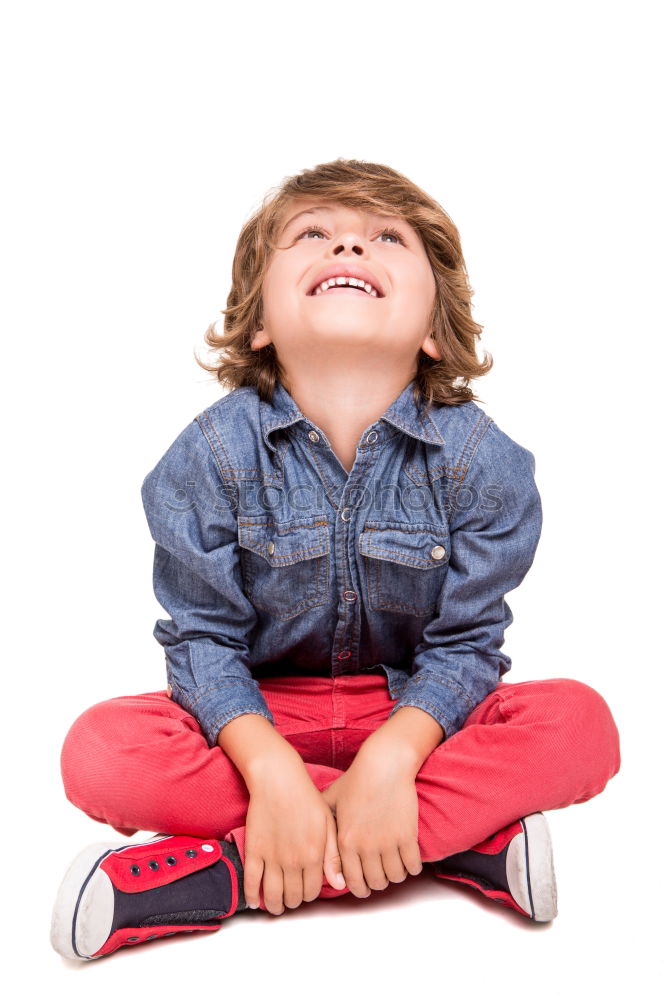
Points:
(271, 559)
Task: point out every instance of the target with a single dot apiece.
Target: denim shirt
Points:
(272, 560)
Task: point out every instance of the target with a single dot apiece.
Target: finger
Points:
(352, 870)
(411, 857)
(332, 859)
(273, 884)
(373, 870)
(312, 882)
(253, 871)
(293, 887)
(393, 865)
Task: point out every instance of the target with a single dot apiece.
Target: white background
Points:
(138, 139)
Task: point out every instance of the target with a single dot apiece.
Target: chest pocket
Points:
(285, 566)
(405, 565)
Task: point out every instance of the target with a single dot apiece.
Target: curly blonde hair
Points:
(366, 186)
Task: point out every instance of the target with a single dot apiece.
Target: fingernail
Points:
(253, 906)
(340, 880)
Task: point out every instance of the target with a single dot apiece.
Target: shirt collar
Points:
(283, 411)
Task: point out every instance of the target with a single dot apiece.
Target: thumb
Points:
(332, 860)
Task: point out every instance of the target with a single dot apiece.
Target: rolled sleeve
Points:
(495, 530)
(191, 513)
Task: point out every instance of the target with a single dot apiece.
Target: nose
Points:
(349, 242)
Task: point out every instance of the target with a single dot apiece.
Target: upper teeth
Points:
(344, 280)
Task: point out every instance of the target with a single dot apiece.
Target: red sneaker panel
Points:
(498, 841)
(118, 864)
(497, 894)
(120, 938)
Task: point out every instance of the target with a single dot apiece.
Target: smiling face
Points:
(344, 323)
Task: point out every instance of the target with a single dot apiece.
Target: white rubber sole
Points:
(83, 911)
(530, 871)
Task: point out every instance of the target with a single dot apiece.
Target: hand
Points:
(376, 811)
(289, 839)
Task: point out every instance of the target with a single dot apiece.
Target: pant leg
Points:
(142, 762)
(528, 747)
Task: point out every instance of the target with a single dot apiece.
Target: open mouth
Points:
(344, 290)
(350, 285)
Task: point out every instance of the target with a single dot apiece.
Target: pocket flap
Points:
(282, 544)
(423, 546)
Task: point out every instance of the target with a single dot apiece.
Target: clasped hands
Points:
(375, 806)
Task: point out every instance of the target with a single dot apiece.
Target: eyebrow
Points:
(325, 208)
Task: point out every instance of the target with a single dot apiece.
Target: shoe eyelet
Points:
(131, 940)
(151, 937)
(154, 866)
(171, 861)
(135, 870)
(190, 854)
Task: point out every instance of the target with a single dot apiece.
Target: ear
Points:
(430, 348)
(259, 340)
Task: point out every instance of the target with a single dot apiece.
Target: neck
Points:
(344, 403)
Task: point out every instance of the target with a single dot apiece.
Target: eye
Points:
(308, 231)
(389, 231)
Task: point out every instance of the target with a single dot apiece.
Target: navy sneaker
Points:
(514, 867)
(114, 894)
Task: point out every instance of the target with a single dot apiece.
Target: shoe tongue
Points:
(488, 870)
(200, 897)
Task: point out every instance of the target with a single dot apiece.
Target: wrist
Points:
(406, 739)
(256, 747)
(271, 764)
(387, 747)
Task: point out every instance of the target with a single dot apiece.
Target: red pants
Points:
(142, 763)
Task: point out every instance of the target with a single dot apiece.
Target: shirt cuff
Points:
(443, 698)
(214, 707)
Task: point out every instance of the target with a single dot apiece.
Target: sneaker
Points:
(514, 867)
(115, 894)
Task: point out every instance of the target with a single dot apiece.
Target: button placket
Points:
(327, 468)
(339, 492)
(347, 632)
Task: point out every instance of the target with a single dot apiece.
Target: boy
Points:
(335, 538)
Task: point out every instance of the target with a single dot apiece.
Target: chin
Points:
(347, 331)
